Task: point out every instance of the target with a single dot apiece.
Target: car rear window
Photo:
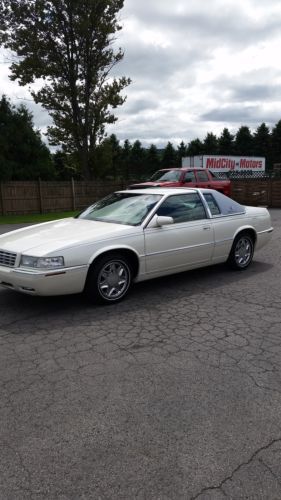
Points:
(212, 204)
(226, 205)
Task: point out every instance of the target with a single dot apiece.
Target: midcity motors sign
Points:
(220, 163)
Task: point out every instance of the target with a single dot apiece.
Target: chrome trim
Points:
(220, 216)
(45, 272)
(270, 230)
(223, 241)
(174, 250)
(8, 259)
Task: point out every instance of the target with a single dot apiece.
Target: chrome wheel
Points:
(113, 280)
(243, 251)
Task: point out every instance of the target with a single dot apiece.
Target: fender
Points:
(112, 248)
(246, 227)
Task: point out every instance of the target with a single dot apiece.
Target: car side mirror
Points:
(160, 220)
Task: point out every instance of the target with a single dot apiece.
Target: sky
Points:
(196, 66)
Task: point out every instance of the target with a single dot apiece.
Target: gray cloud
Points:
(241, 115)
(195, 68)
(256, 92)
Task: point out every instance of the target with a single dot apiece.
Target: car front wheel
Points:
(242, 252)
(109, 279)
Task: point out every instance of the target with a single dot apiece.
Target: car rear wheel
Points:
(242, 251)
(109, 279)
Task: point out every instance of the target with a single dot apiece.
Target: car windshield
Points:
(122, 208)
(166, 175)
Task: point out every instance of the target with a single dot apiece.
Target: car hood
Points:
(41, 239)
(144, 185)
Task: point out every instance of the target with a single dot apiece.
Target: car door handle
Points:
(206, 228)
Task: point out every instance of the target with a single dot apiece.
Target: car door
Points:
(189, 179)
(202, 179)
(187, 243)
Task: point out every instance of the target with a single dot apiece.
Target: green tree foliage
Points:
(262, 143)
(108, 159)
(125, 159)
(210, 144)
(23, 155)
(152, 160)
(169, 158)
(226, 143)
(65, 166)
(244, 144)
(276, 143)
(137, 160)
(181, 152)
(195, 147)
(67, 45)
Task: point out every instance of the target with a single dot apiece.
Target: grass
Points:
(34, 218)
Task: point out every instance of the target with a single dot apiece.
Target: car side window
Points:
(202, 176)
(212, 204)
(183, 208)
(189, 177)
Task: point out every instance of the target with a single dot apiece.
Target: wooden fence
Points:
(28, 197)
(265, 192)
(42, 196)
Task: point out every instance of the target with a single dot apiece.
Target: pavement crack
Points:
(237, 469)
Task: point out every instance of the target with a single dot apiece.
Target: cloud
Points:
(238, 115)
(194, 69)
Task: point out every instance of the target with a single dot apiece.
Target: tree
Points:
(169, 158)
(276, 143)
(194, 148)
(244, 141)
(181, 153)
(152, 161)
(65, 166)
(23, 155)
(67, 44)
(137, 160)
(210, 144)
(262, 143)
(125, 159)
(226, 143)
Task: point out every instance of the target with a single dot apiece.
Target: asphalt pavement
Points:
(175, 393)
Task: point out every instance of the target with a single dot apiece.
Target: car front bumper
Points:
(44, 282)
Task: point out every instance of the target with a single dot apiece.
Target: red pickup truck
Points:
(186, 177)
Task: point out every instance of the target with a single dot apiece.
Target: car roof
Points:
(164, 191)
(180, 169)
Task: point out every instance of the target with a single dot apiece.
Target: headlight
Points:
(41, 262)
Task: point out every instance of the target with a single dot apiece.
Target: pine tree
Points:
(181, 153)
(226, 143)
(276, 143)
(23, 155)
(152, 161)
(195, 147)
(169, 158)
(244, 144)
(262, 144)
(210, 144)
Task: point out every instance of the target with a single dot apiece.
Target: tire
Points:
(242, 251)
(109, 279)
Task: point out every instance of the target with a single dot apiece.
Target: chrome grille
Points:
(7, 258)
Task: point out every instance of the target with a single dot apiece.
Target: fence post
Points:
(2, 198)
(40, 195)
(73, 194)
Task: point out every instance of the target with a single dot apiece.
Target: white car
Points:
(132, 236)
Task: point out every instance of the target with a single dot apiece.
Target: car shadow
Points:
(15, 306)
